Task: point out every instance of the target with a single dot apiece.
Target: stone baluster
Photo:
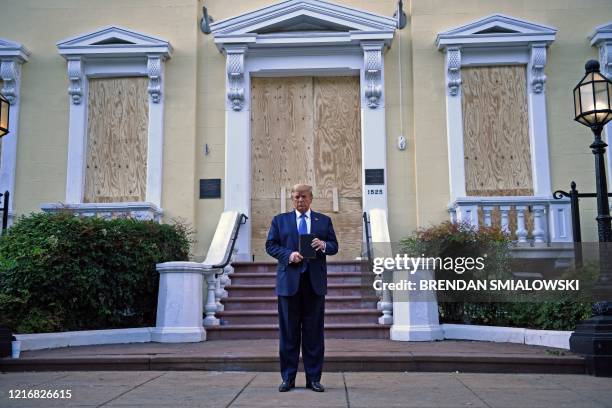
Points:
(487, 212)
(539, 233)
(211, 301)
(505, 218)
(521, 231)
(385, 304)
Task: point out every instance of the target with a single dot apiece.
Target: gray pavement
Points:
(348, 389)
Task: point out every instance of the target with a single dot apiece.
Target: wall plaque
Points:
(374, 177)
(210, 188)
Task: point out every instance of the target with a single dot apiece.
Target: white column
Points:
(11, 76)
(605, 63)
(155, 146)
(373, 124)
(538, 128)
(77, 130)
(237, 185)
(454, 123)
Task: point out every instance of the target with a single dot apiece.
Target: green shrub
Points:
(553, 315)
(59, 272)
(448, 239)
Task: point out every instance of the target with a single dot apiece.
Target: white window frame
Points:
(602, 39)
(498, 40)
(114, 52)
(12, 56)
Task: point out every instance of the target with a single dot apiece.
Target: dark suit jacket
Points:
(283, 239)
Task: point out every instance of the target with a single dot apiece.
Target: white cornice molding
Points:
(272, 26)
(601, 33)
(496, 30)
(113, 41)
(602, 39)
(13, 50)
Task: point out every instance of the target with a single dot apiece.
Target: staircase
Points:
(251, 310)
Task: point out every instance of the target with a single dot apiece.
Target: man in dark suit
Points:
(301, 286)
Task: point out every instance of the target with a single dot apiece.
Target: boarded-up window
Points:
(116, 140)
(496, 131)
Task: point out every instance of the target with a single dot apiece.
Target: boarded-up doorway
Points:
(307, 130)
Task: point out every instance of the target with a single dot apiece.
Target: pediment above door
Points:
(303, 22)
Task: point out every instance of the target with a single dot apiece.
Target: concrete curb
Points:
(40, 341)
(548, 338)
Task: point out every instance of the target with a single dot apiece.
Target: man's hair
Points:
(301, 188)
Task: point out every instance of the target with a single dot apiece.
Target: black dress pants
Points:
(300, 319)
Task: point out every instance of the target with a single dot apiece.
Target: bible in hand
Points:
(306, 249)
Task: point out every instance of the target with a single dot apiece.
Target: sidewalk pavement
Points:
(343, 389)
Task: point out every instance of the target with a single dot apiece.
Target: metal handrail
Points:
(5, 210)
(366, 222)
(243, 220)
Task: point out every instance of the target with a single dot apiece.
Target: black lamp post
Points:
(593, 108)
(4, 115)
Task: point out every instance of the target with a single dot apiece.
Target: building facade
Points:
(141, 107)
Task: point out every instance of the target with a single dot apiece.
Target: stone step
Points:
(333, 289)
(270, 302)
(244, 278)
(239, 317)
(341, 355)
(332, 266)
(270, 331)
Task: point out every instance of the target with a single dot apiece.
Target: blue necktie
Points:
(303, 229)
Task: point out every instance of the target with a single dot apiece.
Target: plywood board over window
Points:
(496, 131)
(116, 167)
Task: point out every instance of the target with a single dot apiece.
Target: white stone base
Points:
(178, 334)
(548, 338)
(40, 341)
(416, 333)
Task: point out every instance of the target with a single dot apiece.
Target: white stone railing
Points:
(381, 241)
(136, 210)
(551, 219)
(180, 299)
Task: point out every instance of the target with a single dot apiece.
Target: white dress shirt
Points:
(297, 220)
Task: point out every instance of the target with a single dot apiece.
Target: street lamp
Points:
(592, 107)
(4, 115)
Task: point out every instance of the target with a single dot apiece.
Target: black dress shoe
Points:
(286, 386)
(315, 386)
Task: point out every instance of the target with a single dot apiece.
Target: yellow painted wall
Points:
(195, 97)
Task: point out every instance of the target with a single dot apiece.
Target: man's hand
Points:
(318, 245)
(295, 257)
